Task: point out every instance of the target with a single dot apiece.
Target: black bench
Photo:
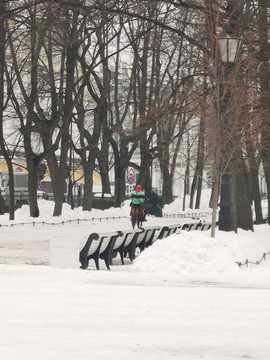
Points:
(206, 227)
(186, 227)
(197, 226)
(108, 245)
(193, 226)
(125, 244)
(168, 230)
(99, 246)
(147, 238)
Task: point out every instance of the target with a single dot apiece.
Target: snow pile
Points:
(196, 253)
(186, 253)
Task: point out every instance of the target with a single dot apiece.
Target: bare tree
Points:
(230, 104)
(3, 146)
(264, 71)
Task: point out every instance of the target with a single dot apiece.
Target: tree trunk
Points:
(120, 183)
(167, 193)
(264, 56)
(144, 178)
(104, 171)
(61, 177)
(2, 89)
(71, 53)
(192, 190)
(215, 190)
(200, 172)
(256, 195)
(88, 186)
(254, 180)
(11, 186)
(32, 188)
(244, 212)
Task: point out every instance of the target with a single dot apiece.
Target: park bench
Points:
(99, 246)
(206, 227)
(125, 244)
(168, 230)
(186, 227)
(192, 227)
(197, 226)
(146, 238)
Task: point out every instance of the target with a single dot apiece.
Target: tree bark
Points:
(3, 148)
(264, 56)
(254, 182)
(243, 210)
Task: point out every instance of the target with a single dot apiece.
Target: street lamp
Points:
(228, 50)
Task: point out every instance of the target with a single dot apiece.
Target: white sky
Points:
(183, 298)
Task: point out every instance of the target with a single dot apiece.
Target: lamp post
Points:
(228, 50)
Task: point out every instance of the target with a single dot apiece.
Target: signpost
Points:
(130, 180)
(131, 176)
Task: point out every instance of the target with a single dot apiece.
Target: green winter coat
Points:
(137, 198)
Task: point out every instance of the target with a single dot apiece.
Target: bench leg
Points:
(96, 259)
(107, 262)
(122, 258)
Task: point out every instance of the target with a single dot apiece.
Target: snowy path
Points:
(50, 314)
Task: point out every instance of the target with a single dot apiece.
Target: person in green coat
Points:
(137, 198)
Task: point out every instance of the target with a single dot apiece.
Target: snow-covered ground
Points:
(183, 298)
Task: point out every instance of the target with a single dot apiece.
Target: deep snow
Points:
(183, 298)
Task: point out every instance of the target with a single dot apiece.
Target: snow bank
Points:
(196, 253)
